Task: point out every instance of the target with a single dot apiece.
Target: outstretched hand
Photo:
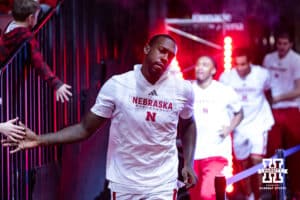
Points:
(189, 177)
(30, 140)
(63, 93)
(12, 130)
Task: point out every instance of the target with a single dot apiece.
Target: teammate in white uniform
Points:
(217, 111)
(284, 66)
(145, 106)
(250, 137)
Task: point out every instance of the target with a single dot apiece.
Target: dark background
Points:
(106, 37)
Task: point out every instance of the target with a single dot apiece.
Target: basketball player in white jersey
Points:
(250, 137)
(284, 67)
(217, 111)
(145, 106)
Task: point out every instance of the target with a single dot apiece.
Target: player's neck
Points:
(283, 55)
(21, 24)
(151, 79)
(205, 83)
(244, 74)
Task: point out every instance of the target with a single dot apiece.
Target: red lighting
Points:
(227, 59)
(228, 172)
(227, 46)
(227, 40)
(227, 53)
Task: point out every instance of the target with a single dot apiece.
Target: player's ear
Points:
(146, 49)
(30, 19)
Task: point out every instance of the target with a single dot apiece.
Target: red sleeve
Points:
(41, 66)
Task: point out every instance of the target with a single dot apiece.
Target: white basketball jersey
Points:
(283, 72)
(213, 109)
(257, 112)
(142, 152)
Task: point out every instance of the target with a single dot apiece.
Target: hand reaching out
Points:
(12, 130)
(30, 141)
(63, 93)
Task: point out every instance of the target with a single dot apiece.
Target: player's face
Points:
(283, 46)
(204, 69)
(159, 56)
(242, 65)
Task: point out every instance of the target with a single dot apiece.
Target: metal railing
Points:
(25, 95)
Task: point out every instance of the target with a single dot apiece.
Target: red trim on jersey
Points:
(174, 194)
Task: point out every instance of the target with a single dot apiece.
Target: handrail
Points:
(35, 30)
(46, 18)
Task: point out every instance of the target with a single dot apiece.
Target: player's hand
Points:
(189, 177)
(224, 132)
(30, 141)
(12, 130)
(63, 93)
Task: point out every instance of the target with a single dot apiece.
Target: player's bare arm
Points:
(75, 133)
(188, 139)
(289, 95)
(235, 121)
(268, 95)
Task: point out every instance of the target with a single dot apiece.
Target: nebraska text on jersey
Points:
(140, 101)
